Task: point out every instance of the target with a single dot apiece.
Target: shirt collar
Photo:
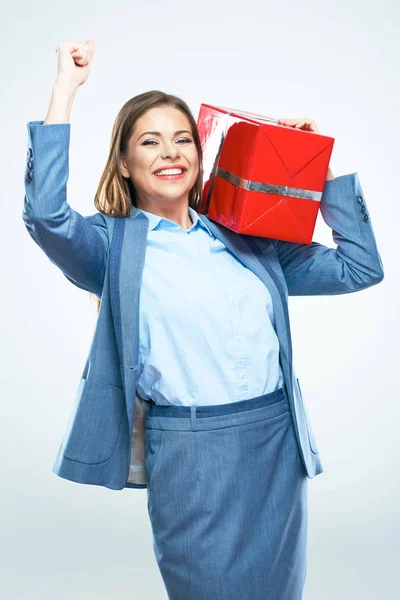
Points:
(154, 220)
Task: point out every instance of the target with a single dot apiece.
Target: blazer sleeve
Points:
(315, 269)
(76, 244)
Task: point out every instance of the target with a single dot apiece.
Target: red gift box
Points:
(261, 178)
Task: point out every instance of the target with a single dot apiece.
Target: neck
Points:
(179, 215)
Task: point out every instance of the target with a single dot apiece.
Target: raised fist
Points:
(74, 61)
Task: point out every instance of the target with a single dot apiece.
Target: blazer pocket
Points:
(94, 425)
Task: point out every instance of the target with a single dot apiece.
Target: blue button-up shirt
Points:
(206, 327)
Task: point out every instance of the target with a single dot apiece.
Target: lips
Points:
(174, 177)
(165, 167)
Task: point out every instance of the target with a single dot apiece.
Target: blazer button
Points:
(30, 164)
(360, 199)
(363, 208)
(29, 176)
(366, 218)
(29, 153)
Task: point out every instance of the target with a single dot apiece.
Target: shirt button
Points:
(238, 338)
(232, 299)
(242, 375)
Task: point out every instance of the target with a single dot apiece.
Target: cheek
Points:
(194, 160)
(140, 168)
(194, 156)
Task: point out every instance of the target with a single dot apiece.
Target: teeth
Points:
(170, 172)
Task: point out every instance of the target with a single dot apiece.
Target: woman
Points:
(189, 388)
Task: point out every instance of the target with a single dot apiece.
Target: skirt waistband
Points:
(217, 415)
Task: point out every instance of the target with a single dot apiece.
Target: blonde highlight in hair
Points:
(115, 193)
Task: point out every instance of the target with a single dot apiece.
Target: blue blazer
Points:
(104, 440)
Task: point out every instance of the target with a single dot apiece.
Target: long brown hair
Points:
(115, 194)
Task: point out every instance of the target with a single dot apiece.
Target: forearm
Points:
(62, 98)
(76, 244)
(314, 269)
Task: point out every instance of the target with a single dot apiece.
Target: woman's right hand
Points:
(74, 62)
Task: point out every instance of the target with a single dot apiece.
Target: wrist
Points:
(65, 87)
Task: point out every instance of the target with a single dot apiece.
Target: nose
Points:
(169, 150)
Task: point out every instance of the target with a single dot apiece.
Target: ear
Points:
(123, 166)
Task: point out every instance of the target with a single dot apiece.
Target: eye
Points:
(151, 142)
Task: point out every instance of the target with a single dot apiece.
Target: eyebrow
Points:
(159, 133)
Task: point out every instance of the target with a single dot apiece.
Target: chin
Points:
(177, 193)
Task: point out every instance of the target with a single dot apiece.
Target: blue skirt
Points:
(227, 500)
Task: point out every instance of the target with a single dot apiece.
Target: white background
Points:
(334, 62)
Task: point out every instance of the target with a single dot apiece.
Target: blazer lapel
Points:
(127, 256)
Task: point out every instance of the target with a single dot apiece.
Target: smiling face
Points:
(161, 139)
